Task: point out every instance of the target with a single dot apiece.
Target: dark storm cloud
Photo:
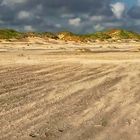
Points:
(77, 6)
(134, 12)
(57, 15)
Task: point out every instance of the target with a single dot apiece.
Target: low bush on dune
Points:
(9, 34)
(122, 34)
(49, 35)
(113, 34)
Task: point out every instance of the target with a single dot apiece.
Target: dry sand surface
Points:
(69, 96)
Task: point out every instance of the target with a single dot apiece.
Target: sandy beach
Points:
(69, 91)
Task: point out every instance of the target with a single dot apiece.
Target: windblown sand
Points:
(69, 97)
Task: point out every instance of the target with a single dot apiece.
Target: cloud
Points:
(98, 27)
(97, 18)
(80, 16)
(75, 21)
(52, 15)
(67, 15)
(12, 2)
(134, 12)
(28, 28)
(24, 15)
(1, 22)
(138, 2)
(118, 9)
(137, 22)
(113, 24)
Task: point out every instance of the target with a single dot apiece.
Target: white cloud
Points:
(12, 2)
(28, 28)
(75, 21)
(85, 16)
(137, 22)
(58, 25)
(24, 15)
(1, 22)
(113, 24)
(97, 18)
(67, 15)
(118, 9)
(39, 7)
(98, 27)
(138, 1)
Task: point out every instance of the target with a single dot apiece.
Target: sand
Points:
(69, 95)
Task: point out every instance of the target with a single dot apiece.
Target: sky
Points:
(79, 16)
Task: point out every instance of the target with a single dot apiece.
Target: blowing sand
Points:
(69, 96)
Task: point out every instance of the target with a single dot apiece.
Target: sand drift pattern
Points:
(70, 101)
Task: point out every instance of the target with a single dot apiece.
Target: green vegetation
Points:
(9, 34)
(115, 34)
(12, 34)
(49, 35)
(122, 34)
(98, 35)
(69, 36)
(66, 33)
